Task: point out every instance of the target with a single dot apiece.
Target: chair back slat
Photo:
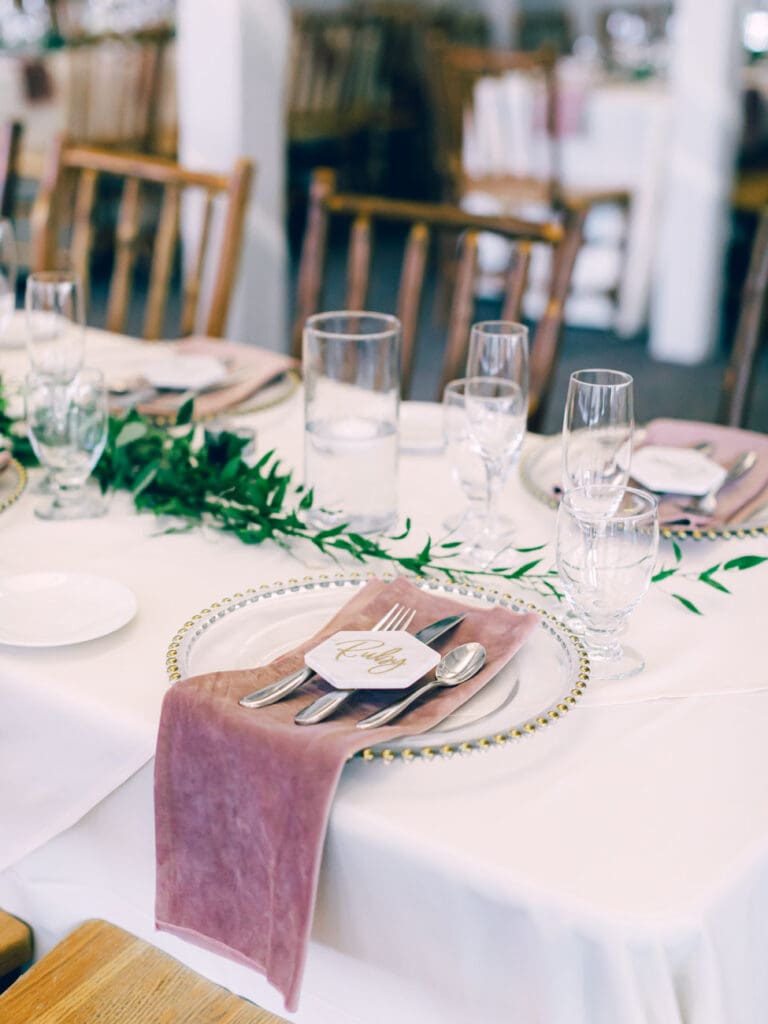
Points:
(517, 280)
(738, 380)
(462, 308)
(126, 245)
(238, 190)
(194, 280)
(358, 263)
(313, 254)
(136, 228)
(546, 338)
(10, 141)
(80, 245)
(162, 261)
(409, 296)
(440, 223)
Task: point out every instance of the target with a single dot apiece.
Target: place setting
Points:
(711, 480)
(285, 725)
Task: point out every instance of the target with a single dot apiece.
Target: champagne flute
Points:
(55, 325)
(607, 542)
(67, 425)
(496, 411)
(8, 272)
(598, 425)
(466, 464)
(499, 348)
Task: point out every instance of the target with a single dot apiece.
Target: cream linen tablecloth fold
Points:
(242, 796)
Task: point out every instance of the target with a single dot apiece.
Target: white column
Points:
(688, 274)
(231, 59)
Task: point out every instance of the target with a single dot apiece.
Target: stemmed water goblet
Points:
(607, 542)
(55, 320)
(496, 411)
(67, 425)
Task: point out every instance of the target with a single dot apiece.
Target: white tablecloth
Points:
(613, 867)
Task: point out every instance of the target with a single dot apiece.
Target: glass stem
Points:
(493, 488)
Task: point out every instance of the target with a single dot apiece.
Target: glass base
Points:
(320, 520)
(89, 506)
(629, 663)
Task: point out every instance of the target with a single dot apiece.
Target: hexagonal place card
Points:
(370, 660)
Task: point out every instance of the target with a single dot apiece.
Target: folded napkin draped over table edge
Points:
(242, 797)
(739, 499)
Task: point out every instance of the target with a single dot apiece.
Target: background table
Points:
(612, 867)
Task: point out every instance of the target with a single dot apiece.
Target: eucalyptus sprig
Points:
(711, 577)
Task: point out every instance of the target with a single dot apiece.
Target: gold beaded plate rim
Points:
(13, 480)
(531, 473)
(575, 672)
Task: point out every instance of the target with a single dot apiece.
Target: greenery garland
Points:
(197, 475)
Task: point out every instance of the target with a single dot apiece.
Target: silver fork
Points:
(284, 687)
(325, 706)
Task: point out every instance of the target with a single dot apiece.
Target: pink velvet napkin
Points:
(253, 367)
(5, 459)
(242, 797)
(738, 500)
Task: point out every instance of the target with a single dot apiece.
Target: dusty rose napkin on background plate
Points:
(738, 500)
(5, 459)
(242, 796)
(259, 367)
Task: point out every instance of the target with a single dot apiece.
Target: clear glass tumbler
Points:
(352, 400)
(67, 424)
(607, 543)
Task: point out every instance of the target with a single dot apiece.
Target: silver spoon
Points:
(457, 666)
(706, 505)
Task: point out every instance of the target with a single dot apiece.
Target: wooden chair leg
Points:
(15, 947)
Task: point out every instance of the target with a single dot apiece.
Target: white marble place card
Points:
(370, 660)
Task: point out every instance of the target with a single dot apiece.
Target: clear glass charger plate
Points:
(251, 628)
(13, 480)
(541, 471)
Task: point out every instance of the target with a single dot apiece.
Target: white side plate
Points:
(51, 609)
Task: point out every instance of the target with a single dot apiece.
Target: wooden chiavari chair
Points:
(10, 140)
(738, 380)
(75, 172)
(425, 222)
(100, 972)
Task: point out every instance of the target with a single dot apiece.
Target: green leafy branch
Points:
(195, 476)
(711, 577)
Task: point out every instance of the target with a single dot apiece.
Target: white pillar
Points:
(231, 59)
(688, 276)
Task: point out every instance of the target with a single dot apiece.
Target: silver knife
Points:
(325, 706)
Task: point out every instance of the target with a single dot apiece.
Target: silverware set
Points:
(456, 667)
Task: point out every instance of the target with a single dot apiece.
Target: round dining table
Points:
(609, 864)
